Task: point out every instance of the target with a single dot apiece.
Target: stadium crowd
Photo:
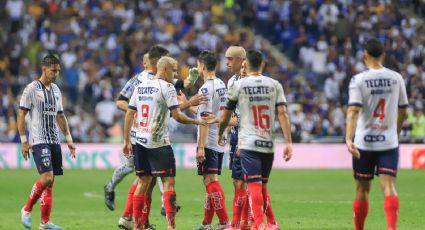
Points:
(101, 44)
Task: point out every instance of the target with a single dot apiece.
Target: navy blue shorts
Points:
(47, 158)
(235, 164)
(256, 166)
(375, 162)
(154, 162)
(212, 163)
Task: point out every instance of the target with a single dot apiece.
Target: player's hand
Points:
(352, 149)
(210, 118)
(222, 140)
(287, 152)
(200, 155)
(26, 150)
(181, 98)
(201, 122)
(238, 152)
(127, 149)
(72, 149)
(198, 99)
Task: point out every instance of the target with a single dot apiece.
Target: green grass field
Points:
(301, 199)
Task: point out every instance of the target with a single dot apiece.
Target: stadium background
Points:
(313, 48)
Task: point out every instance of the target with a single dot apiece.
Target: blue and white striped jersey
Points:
(43, 105)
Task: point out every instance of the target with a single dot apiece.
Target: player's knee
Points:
(239, 184)
(47, 179)
(168, 184)
(388, 189)
(208, 178)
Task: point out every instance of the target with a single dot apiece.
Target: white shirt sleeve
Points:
(206, 107)
(26, 98)
(402, 96)
(132, 104)
(354, 92)
(170, 96)
(280, 96)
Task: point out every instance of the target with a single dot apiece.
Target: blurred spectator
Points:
(417, 122)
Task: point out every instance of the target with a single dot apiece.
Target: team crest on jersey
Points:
(204, 90)
(39, 95)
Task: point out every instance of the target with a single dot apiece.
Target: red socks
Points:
(216, 195)
(36, 191)
(391, 205)
(257, 205)
(140, 210)
(46, 204)
(238, 202)
(128, 210)
(246, 217)
(170, 207)
(360, 209)
(268, 206)
(208, 210)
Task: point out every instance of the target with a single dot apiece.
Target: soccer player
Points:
(43, 100)
(235, 56)
(150, 60)
(154, 100)
(377, 108)
(258, 98)
(209, 154)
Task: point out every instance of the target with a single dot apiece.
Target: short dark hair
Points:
(374, 47)
(50, 59)
(156, 52)
(254, 59)
(209, 59)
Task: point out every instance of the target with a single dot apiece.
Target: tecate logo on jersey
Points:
(147, 90)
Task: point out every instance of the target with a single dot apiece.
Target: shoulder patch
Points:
(204, 90)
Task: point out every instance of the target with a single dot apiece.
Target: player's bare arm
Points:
(352, 116)
(285, 125)
(122, 104)
(400, 118)
(21, 129)
(63, 125)
(182, 118)
(223, 122)
(128, 120)
(193, 101)
(200, 150)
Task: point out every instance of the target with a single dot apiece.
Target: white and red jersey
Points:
(216, 93)
(257, 98)
(379, 92)
(153, 100)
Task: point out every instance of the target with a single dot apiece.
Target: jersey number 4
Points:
(380, 109)
(260, 118)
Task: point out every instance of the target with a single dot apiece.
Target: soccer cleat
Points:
(222, 226)
(109, 198)
(232, 228)
(203, 227)
(126, 224)
(178, 207)
(50, 225)
(26, 218)
(170, 228)
(273, 227)
(150, 227)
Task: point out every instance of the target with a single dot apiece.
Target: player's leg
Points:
(214, 198)
(140, 200)
(387, 164)
(46, 177)
(46, 199)
(170, 201)
(126, 220)
(239, 188)
(118, 175)
(267, 164)
(363, 170)
(251, 166)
